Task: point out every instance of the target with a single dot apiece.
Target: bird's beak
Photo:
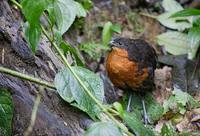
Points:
(112, 43)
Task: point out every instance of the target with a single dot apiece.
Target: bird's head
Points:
(119, 43)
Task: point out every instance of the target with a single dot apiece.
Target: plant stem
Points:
(113, 111)
(34, 112)
(148, 15)
(16, 3)
(26, 77)
(83, 85)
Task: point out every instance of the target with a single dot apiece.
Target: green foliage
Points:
(178, 23)
(179, 101)
(177, 18)
(116, 28)
(194, 38)
(171, 6)
(74, 52)
(80, 10)
(62, 13)
(6, 113)
(173, 23)
(196, 22)
(136, 125)
(103, 129)
(154, 109)
(87, 4)
(65, 12)
(94, 50)
(175, 42)
(71, 91)
(168, 130)
(108, 30)
(187, 12)
(33, 31)
(119, 108)
(107, 33)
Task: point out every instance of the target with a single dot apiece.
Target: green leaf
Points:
(32, 35)
(107, 33)
(181, 97)
(168, 130)
(169, 104)
(62, 83)
(94, 50)
(116, 28)
(87, 4)
(136, 125)
(58, 37)
(186, 13)
(171, 6)
(65, 12)
(80, 10)
(66, 47)
(175, 43)
(51, 16)
(178, 23)
(192, 103)
(178, 43)
(178, 102)
(6, 113)
(194, 37)
(196, 22)
(103, 129)
(70, 89)
(119, 108)
(154, 109)
(29, 9)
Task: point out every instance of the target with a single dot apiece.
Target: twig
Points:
(26, 77)
(148, 15)
(16, 3)
(34, 112)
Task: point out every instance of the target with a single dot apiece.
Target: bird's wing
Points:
(141, 52)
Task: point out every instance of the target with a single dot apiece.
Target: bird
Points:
(130, 66)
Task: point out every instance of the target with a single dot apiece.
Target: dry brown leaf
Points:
(163, 82)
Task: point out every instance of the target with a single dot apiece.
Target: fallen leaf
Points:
(163, 83)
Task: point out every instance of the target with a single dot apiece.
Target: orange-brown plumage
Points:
(123, 72)
(130, 64)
